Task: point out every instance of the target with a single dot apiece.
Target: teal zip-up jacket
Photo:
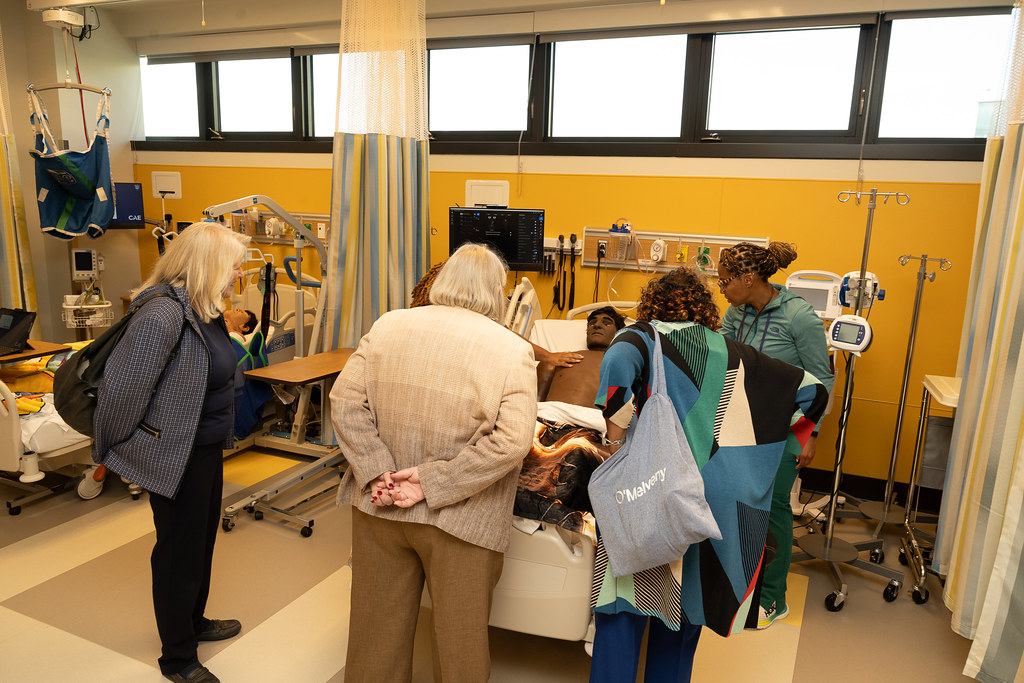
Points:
(787, 329)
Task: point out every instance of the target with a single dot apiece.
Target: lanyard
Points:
(753, 328)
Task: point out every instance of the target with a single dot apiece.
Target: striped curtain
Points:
(378, 248)
(980, 543)
(17, 289)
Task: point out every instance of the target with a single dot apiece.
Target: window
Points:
(618, 87)
(325, 94)
(943, 76)
(783, 80)
(170, 102)
(479, 88)
(255, 95)
(916, 86)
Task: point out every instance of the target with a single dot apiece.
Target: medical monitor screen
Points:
(847, 333)
(817, 298)
(128, 211)
(516, 234)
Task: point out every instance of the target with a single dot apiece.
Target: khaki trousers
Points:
(390, 563)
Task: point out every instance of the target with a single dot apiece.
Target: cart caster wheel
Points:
(891, 591)
(226, 524)
(834, 602)
(903, 558)
(257, 515)
(135, 496)
(920, 595)
(249, 509)
(877, 556)
(306, 531)
(14, 511)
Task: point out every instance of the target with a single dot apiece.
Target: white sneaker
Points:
(767, 616)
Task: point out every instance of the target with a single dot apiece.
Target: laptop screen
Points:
(15, 326)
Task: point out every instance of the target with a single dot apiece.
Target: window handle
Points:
(214, 135)
(713, 137)
(863, 98)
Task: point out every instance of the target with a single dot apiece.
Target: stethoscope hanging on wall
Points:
(559, 288)
(572, 270)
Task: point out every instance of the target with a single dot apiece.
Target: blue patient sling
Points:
(73, 189)
(250, 395)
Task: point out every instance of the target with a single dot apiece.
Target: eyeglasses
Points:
(722, 284)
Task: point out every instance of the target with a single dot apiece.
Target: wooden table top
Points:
(300, 371)
(34, 349)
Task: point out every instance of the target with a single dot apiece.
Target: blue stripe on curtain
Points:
(980, 540)
(377, 247)
(17, 287)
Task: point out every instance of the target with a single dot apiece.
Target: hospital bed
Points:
(42, 442)
(545, 585)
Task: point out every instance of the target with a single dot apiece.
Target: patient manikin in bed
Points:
(567, 444)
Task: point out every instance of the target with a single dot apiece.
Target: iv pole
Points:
(885, 511)
(825, 546)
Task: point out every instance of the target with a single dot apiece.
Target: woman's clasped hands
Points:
(401, 488)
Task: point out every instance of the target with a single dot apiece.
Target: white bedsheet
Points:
(45, 431)
(569, 413)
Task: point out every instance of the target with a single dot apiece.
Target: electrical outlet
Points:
(602, 248)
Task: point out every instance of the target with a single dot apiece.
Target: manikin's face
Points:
(600, 330)
(235, 320)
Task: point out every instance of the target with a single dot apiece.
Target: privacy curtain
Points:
(980, 544)
(378, 247)
(17, 289)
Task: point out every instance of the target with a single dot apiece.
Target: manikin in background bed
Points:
(567, 445)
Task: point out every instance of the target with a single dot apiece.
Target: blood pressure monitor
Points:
(850, 333)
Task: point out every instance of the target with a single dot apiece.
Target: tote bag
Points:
(648, 497)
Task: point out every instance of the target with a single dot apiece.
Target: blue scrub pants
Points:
(617, 639)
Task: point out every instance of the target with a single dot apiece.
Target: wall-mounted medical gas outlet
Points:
(659, 250)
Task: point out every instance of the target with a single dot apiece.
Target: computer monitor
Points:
(516, 234)
(84, 265)
(128, 211)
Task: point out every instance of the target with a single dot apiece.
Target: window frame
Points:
(859, 140)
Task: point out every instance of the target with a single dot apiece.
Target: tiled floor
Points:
(75, 606)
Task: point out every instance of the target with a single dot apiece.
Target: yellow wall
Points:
(829, 235)
(939, 221)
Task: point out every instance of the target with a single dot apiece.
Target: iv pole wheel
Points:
(892, 591)
(835, 601)
(920, 595)
(877, 556)
(903, 558)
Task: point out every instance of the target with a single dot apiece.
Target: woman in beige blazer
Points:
(434, 413)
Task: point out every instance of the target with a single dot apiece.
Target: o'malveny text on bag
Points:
(648, 497)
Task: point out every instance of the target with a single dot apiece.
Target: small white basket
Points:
(87, 315)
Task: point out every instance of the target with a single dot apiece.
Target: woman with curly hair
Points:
(736, 407)
(782, 325)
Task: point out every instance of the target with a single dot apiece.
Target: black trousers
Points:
(186, 529)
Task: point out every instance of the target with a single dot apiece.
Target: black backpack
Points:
(76, 381)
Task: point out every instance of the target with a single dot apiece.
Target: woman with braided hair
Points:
(782, 325)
